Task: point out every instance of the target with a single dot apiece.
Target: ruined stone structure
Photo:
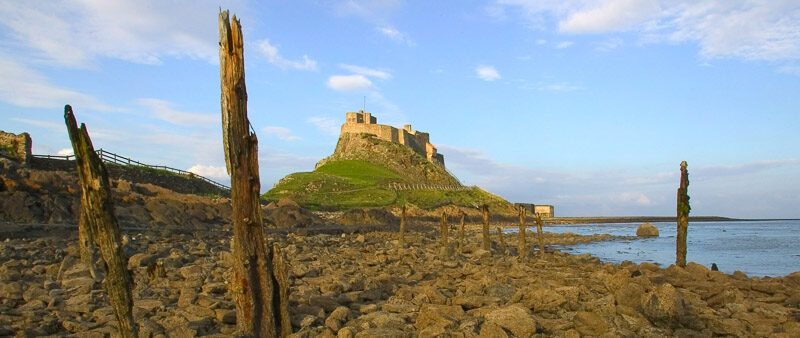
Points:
(361, 122)
(542, 210)
(15, 146)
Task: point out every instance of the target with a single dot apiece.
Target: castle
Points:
(361, 122)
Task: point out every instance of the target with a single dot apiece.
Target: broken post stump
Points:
(444, 229)
(97, 211)
(402, 236)
(486, 244)
(683, 217)
(521, 244)
(281, 279)
(539, 233)
(503, 246)
(461, 234)
(252, 286)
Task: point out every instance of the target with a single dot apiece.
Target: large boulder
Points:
(515, 318)
(664, 305)
(647, 230)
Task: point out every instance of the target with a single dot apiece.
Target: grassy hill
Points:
(360, 172)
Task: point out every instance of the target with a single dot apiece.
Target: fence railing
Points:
(109, 157)
(407, 186)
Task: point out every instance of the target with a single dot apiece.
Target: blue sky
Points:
(586, 105)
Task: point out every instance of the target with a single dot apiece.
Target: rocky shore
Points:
(361, 284)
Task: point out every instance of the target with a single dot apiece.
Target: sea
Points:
(757, 248)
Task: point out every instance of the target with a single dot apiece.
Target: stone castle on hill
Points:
(361, 122)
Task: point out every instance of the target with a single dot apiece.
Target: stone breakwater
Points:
(363, 285)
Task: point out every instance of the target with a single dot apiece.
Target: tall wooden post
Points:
(97, 211)
(402, 238)
(539, 233)
(461, 234)
(521, 245)
(252, 286)
(282, 284)
(683, 217)
(486, 244)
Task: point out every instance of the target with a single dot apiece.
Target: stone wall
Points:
(17, 147)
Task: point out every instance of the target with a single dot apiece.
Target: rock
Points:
(148, 304)
(664, 305)
(382, 333)
(514, 318)
(325, 302)
(545, 300)
(191, 271)
(335, 319)
(12, 290)
(141, 259)
(74, 327)
(286, 202)
(187, 297)
(226, 316)
(647, 230)
(78, 285)
(439, 316)
(697, 271)
(629, 295)
(589, 324)
(492, 330)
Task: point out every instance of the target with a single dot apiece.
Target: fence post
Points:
(486, 244)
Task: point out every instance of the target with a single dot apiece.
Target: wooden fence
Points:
(406, 186)
(110, 157)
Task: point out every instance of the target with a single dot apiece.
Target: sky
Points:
(586, 105)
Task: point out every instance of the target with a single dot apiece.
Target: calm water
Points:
(759, 248)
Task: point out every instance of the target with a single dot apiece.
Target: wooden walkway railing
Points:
(407, 186)
(110, 157)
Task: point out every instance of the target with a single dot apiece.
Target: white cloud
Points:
(53, 126)
(281, 133)
(367, 71)
(65, 152)
(564, 44)
(396, 35)
(763, 30)
(209, 171)
(487, 73)
(349, 82)
(551, 86)
(613, 15)
(636, 198)
(24, 87)
(272, 55)
(541, 41)
(75, 33)
(163, 110)
(326, 125)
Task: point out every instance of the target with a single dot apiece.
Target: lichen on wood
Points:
(683, 209)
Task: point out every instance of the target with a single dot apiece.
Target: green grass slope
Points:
(348, 183)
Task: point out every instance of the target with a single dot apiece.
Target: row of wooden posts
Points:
(486, 242)
(260, 285)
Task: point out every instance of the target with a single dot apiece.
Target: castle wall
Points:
(362, 122)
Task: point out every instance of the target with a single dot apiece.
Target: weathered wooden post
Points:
(461, 234)
(281, 270)
(521, 245)
(683, 216)
(503, 246)
(252, 286)
(98, 213)
(402, 238)
(88, 247)
(444, 229)
(486, 245)
(539, 233)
